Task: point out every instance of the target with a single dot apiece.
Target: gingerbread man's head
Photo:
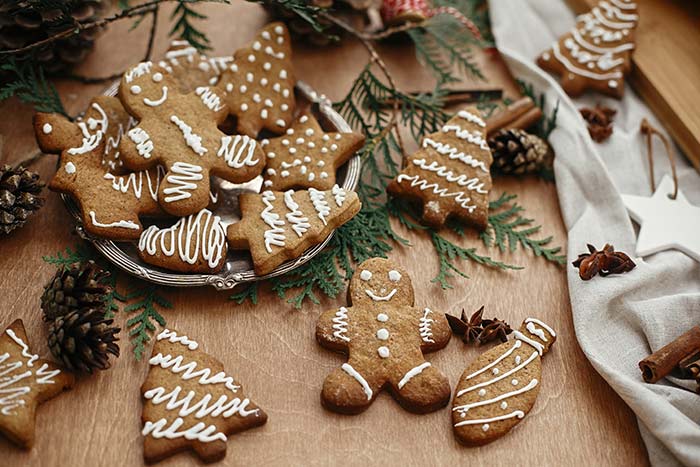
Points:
(379, 281)
(145, 87)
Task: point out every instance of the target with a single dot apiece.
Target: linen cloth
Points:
(619, 320)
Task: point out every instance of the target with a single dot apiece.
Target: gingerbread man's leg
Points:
(422, 388)
(347, 390)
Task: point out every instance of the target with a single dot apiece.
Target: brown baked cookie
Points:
(190, 68)
(597, 53)
(500, 387)
(189, 402)
(259, 84)
(110, 204)
(385, 337)
(277, 226)
(196, 243)
(25, 382)
(450, 174)
(307, 157)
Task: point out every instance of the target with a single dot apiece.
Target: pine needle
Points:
(28, 83)
(142, 326)
(247, 292)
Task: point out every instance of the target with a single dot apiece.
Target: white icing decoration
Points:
(134, 182)
(47, 128)
(199, 432)
(318, 199)
(143, 142)
(189, 371)
(135, 89)
(159, 101)
(474, 138)
(425, 327)
(453, 153)
(382, 317)
(499, 378)
(519, 335)
(193, 140)
(339, 195)
(174, 338)
(232, 153)
(579, 71)
(504, 405)
(395, 276)
(275, 234)
(209, 98)
(70, 168)
(514, 382)
(23, 345)
(517, 413)
(464, 408)
(118, 224)
(412, 373)
(91, 140)
(424, 184)
(184, 174)
(382, 334)
(532, 329)
(379, 298)
(383, 352)
(300, 224)
(472, 184)
(137, 71)
(340, 324)
(482, 392)
(365, 275)
(223, 406)
(157, 77)
(471, 118)
(352, 372)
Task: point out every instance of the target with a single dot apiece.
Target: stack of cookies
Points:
(150, 152)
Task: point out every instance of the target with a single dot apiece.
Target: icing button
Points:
(383, 351)
(382, 318)
(382, 334)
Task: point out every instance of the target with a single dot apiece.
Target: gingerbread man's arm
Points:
(332, 329)
(434, 330)
(55, 133)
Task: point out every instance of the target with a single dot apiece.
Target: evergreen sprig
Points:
(184, 17)
(28, 82)
(247, 292)
(142, 326)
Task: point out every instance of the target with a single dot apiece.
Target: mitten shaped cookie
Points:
(497, 390)
(189, 402)
(190, 68)
(385, 337)
(259, 84)
(179, 131)
(196, 243)
(597, 53)
(25, 382)
(307, 157)
(110, 204)
(277, 226)
(450, 174)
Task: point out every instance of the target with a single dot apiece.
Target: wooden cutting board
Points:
(666, 70)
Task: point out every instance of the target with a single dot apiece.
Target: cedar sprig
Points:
(305, 10)
(246, 292)
(28, 82)
(141, 327)
(184, 27)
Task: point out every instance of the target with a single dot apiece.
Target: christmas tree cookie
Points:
(497, 390)
(190, 68)
(279, 226)
(596, 54)
(450, 174)
(385, 337)
(189, 402)
(25, 382)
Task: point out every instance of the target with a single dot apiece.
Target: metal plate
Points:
(239, 266)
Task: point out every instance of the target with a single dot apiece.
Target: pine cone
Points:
(83, 339)
(75, 288)
(516, 152)
(26, 22)
(19, 190)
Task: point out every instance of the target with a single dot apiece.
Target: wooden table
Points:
(271, 348)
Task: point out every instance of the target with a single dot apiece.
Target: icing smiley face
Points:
(381, 282)
(147, 86)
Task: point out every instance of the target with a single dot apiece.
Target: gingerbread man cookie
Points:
(450, 175)
(385, 337)
(179, 131)
(500, 387)
(110, 204)
(189, 402)
(307, 157)
(277, 226)
(192, 69)
(597, 53)
(259, 84)
(25, 382)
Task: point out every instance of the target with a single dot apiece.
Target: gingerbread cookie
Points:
(307, 157)
(196, 243)
(597, 53)
(25, 382)
(259, 84)
(385, 337)
(190, 68)
(450, 174)
(110, 204)
(500, 387)
(277, 226)
(180, 132)
(189, 402)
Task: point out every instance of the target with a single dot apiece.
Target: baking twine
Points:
(649, 131)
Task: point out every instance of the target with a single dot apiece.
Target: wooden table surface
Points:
(271, 348)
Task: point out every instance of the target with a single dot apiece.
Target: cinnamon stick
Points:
(526, 120)
(503, 118)
(663, 361)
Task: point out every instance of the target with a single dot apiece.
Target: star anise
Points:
(470, 328)
(604, 262)
(599, 121)
(494, 329)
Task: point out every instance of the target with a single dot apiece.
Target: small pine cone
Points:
(19, 197)
(83, 339)
(77, 287)
(516, 152)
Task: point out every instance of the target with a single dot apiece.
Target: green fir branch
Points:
(548, 122)
(245, 293)
(28, 83)
(184, 17)
(142, 326)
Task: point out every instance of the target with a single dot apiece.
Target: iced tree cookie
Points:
(500, 387)
(179, 131)
(259, 84)
(279, 226)
(450, 174)
(597, 53)
(306, 156)
(25, 382)
(110, 204)
(190, 68)
(385, 337)
(189, 402)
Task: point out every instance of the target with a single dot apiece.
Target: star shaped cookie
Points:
(25, 382)
(306, 156)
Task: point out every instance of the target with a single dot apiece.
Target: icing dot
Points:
(271, 155)
(482, 392)
(324, 150)
(268, 183)
(256, 97)
(266, 35)
(382, 317)
(263, 82)
(311, 145)
(271, 171)
(251, 58)
(256, 45)
(268, 102)
(290, 131)
(338, 136)
(394, 276)
(504, 405)
(267, 66)
(276, 87)
(612, 84)
(518, 359)
(303, 118)
(320, 163)
(233, 67)
(229, 87)
(326, 137)
(334, 147)
(383, 352)
(382, 334)
(263, 115)
(284, 107)
(47, 128)
(264, 142)
(157, 77)
(280, 123)
(285, 173)
(309, 132)
(303, 169)
(365, 275)
(135, 89)
(285, 142)
(283, 74)
(307, 159)
(70, 168)
(300, 141)
(244, 107)
(323, 175)
(249, 77)
(485, 427)
(292, 150)
(279, 29)
(285, 93)
(280, 40)
(312, 176)
(463, 414)
(545, 56)
(494, 371)
(243, 88)
(514, 382)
